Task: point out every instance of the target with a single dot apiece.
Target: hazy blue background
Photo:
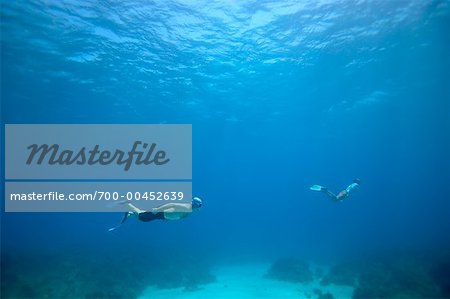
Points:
(281, 95)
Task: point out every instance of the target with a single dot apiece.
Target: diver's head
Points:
(196, 203)
(357, 181)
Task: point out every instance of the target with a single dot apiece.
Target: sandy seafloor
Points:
(248, 281)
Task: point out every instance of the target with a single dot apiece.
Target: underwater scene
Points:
(320, 146)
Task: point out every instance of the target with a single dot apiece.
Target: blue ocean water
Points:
(281, 95)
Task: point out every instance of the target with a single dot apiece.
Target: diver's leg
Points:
(124, 218)
(341, 195)
(134, 209)
(329, 193)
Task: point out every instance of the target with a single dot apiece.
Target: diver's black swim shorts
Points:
(149, 216)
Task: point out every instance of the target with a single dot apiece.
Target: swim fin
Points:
(114, 228)
(316, 188)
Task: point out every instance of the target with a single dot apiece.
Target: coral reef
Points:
(321, 295)
(342, 274)
(103, 276)
(393, 275)
(397, 276)
(291, 270)
(441, 274)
